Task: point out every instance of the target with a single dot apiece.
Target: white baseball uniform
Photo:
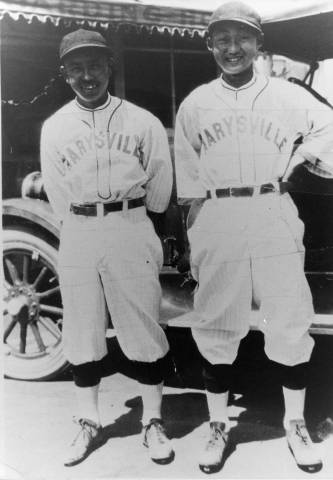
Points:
(113, 153)
(250, 246)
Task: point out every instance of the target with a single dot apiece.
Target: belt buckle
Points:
(232, 191)
(268, 188)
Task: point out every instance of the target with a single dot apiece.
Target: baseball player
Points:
(233, 145)
(105, 163)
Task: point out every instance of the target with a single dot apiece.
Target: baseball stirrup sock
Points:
(293, 377)
(217, 378)
(86, 374)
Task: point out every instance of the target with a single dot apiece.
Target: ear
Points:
(63, 73)
(260, 41)
(209, 43)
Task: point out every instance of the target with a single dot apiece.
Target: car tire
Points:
(32, 308)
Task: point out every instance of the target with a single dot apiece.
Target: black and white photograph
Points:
(167, 239)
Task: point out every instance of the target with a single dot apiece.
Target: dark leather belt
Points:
(281, 187)
(90, 209)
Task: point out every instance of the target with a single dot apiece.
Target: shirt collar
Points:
(101, 107)
(230, 96)
(242, 87)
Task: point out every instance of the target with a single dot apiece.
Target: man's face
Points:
(87, 71)
(234, 46)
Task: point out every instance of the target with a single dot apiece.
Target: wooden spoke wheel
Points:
(32, 308)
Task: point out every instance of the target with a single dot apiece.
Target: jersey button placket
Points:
(103, 159)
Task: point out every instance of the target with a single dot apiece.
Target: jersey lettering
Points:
(79, 148)
(266, 128)
(218, 130)
(228, 123)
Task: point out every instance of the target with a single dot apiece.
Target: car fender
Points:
(34, 211)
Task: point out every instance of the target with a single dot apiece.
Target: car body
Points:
(32, 300)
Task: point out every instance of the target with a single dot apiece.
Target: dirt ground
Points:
(38, 427)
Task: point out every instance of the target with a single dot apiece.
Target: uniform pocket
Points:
(289, 215)
(194, 212)
(145, 244)
(158, 248)
(77, 248)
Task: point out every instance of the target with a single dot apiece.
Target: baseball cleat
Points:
(211, 458)
(158, 444)
(86, 441)
(302, 448)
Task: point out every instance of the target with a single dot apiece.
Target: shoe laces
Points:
(216, 434)
(302, 432)
(87, 428)
(155, 427)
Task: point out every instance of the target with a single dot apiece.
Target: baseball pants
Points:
(111, 262)
(245, 248)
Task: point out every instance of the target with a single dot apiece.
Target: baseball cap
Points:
(236, 12)
(81, 39)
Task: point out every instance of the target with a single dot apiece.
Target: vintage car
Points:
(32, 304)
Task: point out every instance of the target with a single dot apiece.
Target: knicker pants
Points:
(111, 263)
(244, 248)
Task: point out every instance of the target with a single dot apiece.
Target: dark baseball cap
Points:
(81, 39)
(235, 12)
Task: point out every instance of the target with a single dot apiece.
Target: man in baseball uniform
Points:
(233, 144)
(105, 163)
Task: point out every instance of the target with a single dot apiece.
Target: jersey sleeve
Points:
(53, 173)
(314, 121)
(157, 164)
(187, 160)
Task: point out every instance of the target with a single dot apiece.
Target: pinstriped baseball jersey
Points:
(117, 151)
(230, 137)
(249, 247)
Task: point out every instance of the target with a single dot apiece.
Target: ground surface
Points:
(38, 427)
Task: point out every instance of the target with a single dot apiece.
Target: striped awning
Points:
(109, 13)
(300, 29)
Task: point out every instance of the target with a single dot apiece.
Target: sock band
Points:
(293, 377)
(86, 374)
(217, 378)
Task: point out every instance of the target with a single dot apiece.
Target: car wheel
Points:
(32, 308)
